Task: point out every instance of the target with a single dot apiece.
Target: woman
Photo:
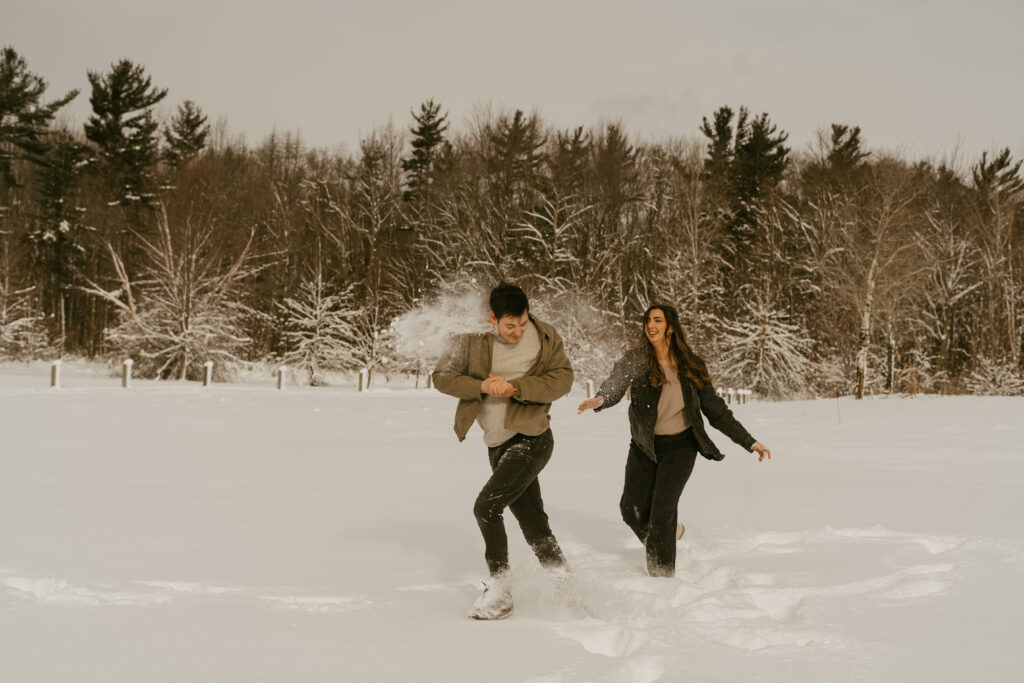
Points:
(669, 388)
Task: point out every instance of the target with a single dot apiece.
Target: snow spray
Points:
(593, 336)
(423, 333)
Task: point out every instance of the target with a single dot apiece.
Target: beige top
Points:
(510, 361)
(671, 419)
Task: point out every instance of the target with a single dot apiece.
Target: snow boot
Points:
(495, 602)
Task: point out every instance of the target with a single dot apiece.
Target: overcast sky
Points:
(919, 77)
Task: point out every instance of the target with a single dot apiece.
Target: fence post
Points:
(280, 378)
(126, 372)
(590, 388)
(731, 394)
(207, 373)
(364, 379)
(55, 375)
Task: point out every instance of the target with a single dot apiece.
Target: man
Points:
(506, 380)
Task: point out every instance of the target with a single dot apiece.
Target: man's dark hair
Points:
(507, 299)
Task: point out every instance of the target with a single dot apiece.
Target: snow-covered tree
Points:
(547, 235)
(185, 309)
(320, 328)
(997, 221)
(874, 267)
(369, 341)
(690, 265)
(22, 331)
(952, 283)
(592, 335)
(764, 351)
(995, 378)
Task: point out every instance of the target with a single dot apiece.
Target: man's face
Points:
(511, 327)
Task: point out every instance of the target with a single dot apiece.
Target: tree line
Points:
(832, 270)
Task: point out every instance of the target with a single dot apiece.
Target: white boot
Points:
(495, 602)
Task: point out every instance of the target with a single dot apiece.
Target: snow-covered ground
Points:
(238, 533)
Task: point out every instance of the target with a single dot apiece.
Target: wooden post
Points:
(207, 373)
(730, 395)
(126, 372)
(364, 379)
(280, 378)
(590, 388)
(55, 375)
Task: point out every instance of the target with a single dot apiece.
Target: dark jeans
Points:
(515, 465)
(650, 497)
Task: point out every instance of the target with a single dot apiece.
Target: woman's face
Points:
(656, 326)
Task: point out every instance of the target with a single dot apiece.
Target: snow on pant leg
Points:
(637, 491)
(676, 456)
(514, 468)
(528, 508)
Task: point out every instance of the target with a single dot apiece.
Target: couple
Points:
(506, 381)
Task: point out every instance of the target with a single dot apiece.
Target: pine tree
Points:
(760, 161)
(185, 136)
(718, 163)
(517, 152)
(614, 167)
(568, 162)
(846, 153)
(57, 234)
(24, 120)
(744, 164)
(124, 130)
(840, 164)
(428, 141)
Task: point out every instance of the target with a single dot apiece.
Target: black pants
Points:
(515, 465)
(650, 497)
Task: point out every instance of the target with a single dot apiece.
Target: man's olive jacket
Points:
(465, 366)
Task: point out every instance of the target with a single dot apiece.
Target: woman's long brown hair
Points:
(686, 360)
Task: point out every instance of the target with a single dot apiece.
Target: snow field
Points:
(169, 533)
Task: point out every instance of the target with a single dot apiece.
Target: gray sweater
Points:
(510, 361)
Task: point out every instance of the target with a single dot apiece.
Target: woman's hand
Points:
(591, 403)
(761, 450)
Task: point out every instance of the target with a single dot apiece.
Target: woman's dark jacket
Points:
(630, 372)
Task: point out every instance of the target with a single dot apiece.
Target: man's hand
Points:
(497, 386)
